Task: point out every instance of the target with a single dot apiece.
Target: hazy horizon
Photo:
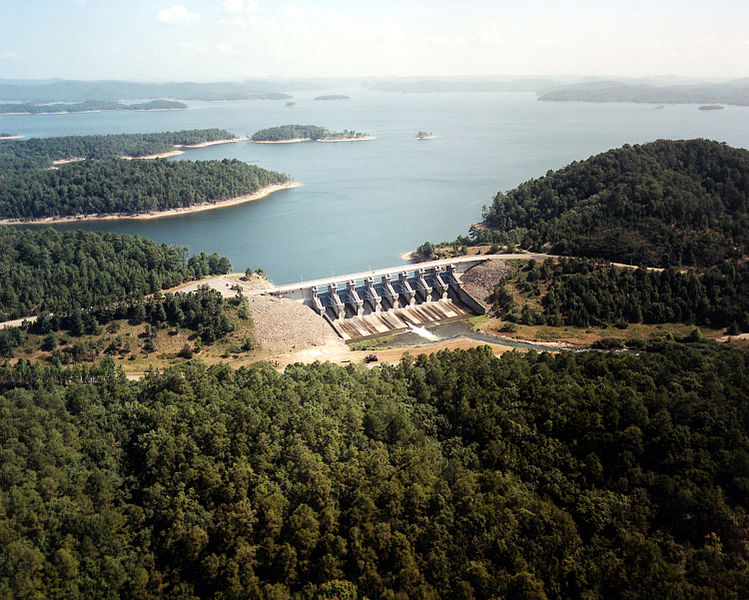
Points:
(235, 40)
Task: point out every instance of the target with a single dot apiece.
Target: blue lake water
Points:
(363, 204)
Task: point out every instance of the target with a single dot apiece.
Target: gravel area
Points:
(282, 324)
(481, 279)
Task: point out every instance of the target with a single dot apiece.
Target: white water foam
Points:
(424, 332)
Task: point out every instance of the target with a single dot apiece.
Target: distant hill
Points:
(663, 203)
(734, 92)
(423, 86)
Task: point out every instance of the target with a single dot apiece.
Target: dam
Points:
(388, 300)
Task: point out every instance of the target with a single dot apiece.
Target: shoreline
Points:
(366, 138)
(213, 143)
(261, 193)
(153, 156)
(65, 161)
(10, 137)
(184, 147)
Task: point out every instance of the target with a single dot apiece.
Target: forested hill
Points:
(40, 152)
(454, 476)
(47, 270)
(127, 187)
(663, 203)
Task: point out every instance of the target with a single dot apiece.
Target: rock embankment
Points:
(479, 281)
(282, 324)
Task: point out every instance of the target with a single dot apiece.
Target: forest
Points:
(51, 271)
(41, 152)
(302, 132)
(456, 475)
(666, 203)
(88, 106)
(121, 186)
(584, 293)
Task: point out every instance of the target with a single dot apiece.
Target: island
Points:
(29, 108)
(289, 134)
(423, 135)
(711, 107)
(290, 104)
(333, 97)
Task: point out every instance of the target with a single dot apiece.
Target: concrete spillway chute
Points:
(406, 291)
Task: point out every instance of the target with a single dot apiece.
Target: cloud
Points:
(241, 6)
(292, 11)
(9, 55)
(178, 15)
(80, 2)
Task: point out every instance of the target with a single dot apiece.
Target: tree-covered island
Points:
(306, 133)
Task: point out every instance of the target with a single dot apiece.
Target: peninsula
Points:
(40, 179)
(45, 152)
(289, 134)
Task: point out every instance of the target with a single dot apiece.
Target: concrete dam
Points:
(389, 300)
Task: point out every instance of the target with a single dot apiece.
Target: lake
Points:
(363, 204)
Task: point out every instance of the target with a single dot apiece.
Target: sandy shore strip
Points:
(153, 156)
(299, 140)
(261, 193)
(214, 143)
(186, 147)
(10, 137)
(365, 138)
(65, 161)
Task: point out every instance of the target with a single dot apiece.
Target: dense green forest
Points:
(457, 475)
(122, 186)
(40, 152)
(203, 313)
(663, 203)
(582, 293)
(50, 271)
(88, 106)
(302, 132)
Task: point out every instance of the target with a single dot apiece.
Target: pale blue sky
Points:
(207, 40)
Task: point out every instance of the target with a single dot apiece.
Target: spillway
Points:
(389, 300)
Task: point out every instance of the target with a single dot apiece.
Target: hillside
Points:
(663, 203)
(47, 270)
(457, 475)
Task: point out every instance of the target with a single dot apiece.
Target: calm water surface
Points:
(363, 204)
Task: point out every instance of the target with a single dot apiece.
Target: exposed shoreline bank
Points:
(180, 149)
(366, 138)
(261, 193)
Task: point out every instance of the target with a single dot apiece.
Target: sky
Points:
(216, 40)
